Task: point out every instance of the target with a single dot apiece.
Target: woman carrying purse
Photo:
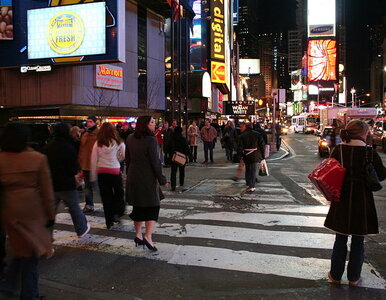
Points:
(355, 214)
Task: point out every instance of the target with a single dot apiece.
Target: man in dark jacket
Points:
(251, 149)
(64, 166)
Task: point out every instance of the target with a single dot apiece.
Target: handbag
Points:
(328, 178)
(371, 176)
(263, 168)
(179, 158)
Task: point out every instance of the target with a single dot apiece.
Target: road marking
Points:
(226, 233)
(260, 218)
(218, 258)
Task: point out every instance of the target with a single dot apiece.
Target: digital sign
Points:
(66, 31)
(321, 60)
(217, 30)
(321, 18)
(6, 20)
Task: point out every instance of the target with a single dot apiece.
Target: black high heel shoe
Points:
(138, 241)
(147, 244)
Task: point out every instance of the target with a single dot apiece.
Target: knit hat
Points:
(92, 118)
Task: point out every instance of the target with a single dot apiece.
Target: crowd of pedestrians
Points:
(33, 184)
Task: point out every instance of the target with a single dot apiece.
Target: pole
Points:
(187, 47)
(179, 47)
(172, 66)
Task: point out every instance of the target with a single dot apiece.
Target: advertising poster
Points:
(109, 77)
(321, 18)
(75, 30)
(6, 20)
(321, 60)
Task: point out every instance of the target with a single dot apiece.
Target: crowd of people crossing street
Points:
(125, 166)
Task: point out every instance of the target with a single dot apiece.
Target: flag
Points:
(177, 9)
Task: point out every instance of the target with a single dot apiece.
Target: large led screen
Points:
(65, 31)
(321, 18)
(321, 60)
(6, 20)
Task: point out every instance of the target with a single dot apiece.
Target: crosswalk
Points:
(269, 237)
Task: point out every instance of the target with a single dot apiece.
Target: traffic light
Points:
(261, 102)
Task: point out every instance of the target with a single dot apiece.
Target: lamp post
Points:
(353, 91)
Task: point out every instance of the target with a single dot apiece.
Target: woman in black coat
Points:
(229, 139)
(144, 177)
(355, 214)
(178, 143)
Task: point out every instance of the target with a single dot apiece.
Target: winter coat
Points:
(180, 144)
(63, 163)
(355, 213)
(144, 172)
(28, 201)
(208, 134)
(167, 139)
(106, 157)
(193, 133)
(159, 135)
(229, 138)
(249, 140)
(87, 142)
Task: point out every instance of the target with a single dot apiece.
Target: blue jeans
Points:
(208, 146)
(356, 258)
(250, 174)
(28, 268)
(71, 199)
(88, 188)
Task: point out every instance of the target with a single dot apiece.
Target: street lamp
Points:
(353, 91)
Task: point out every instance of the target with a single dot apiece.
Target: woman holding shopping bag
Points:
(355, 214)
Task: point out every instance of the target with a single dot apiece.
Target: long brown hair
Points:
(107, 134)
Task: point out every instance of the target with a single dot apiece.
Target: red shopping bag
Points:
(328, 177)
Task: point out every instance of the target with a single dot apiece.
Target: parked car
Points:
(379, 135)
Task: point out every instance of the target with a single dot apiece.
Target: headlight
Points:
(285, 129)
(309, 129)
(323, 143)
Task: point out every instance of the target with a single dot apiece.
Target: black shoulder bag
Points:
(371, 176)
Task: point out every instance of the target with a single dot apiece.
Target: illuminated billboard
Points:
(249, 66)
(296, 80)
(66, 31)
(218, 72)
(321, 60)
(321, 18)
(217, 30)
(6, 20)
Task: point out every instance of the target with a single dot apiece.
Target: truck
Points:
(345, 114)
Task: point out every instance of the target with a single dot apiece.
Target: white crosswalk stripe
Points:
(185, 221)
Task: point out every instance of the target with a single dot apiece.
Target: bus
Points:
(305, 123)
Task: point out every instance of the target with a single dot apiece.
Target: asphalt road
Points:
(216, 241)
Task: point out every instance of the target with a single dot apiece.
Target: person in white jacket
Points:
(107, 153)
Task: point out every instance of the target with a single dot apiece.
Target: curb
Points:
(286, 150)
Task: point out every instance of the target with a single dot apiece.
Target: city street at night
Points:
(217, 242)
(192, 149)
